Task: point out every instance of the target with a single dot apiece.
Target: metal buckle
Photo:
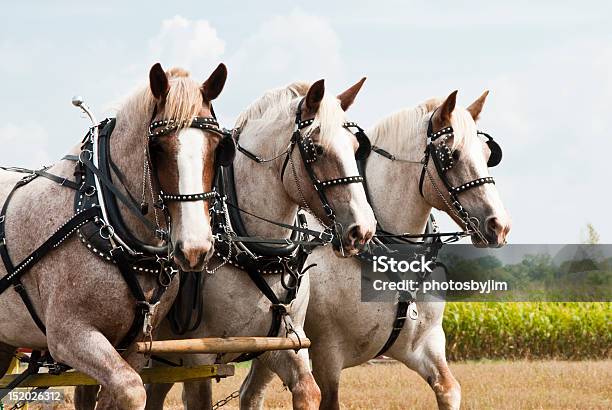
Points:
(326, 236)
(328, 210)
(147, 323)
(161, 234)
(90, 155)
(2, 219)
(106, 231)
(413, 313)
(89, 191)
(282, 309)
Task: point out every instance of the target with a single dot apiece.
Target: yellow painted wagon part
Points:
(149, 376)
(223, 345)
(15, 368)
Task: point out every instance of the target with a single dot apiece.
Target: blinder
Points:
(226, 151)
(309, 150)
(444, 155)
(496, 151)
(365, 145)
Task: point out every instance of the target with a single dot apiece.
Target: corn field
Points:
(528, 330)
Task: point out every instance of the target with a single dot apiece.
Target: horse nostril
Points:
(355, 235)
(192, 258)
(178, 248)
(496, 229)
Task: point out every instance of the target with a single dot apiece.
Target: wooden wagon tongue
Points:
(222, 345)
(175, 374)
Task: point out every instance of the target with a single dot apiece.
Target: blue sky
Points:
(548, 66)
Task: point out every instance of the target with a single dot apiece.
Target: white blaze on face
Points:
(193, 227)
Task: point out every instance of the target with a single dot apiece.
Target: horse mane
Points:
(404, 130)
(277, 105)
(183, 102)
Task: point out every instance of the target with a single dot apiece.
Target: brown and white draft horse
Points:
(81, 299)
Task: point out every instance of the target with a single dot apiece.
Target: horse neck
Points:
(394, 190)
(127, 145)
(259, 188)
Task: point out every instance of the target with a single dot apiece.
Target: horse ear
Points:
(158, 81)
(314, 96)
(476, 107)
(347, 97)
(214, 85)
(443, 114)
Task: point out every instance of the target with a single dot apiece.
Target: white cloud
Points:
(24, 145)
(297, 45)
(192, 44)
(283, 49)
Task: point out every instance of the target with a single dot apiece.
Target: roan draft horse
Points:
(424, 157)
(296, 149)
(80, 302)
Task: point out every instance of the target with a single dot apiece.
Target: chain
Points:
(467, 220)
(226, 400)
(262, 160)
(226, 230)
(304, 205)
(145, 174)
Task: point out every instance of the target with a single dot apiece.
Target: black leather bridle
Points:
(442, 157)
(309, 152)
(223, 156)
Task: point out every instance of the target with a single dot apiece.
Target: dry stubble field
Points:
(486, 385)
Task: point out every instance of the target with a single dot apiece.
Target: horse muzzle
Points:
(354, 240)
(495, 232)
(192, 257)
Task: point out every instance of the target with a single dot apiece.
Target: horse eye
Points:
(319, 149)
(456, 155)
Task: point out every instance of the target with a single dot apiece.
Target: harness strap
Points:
(398, 325)
(341, 181)
(14, 274)
(143, 307)
(20, 289)
(423, 170)
(33, 368)
(324, 237)
(63, 233)
(43, 173)
(277, 319)
(180, 318)
(122, 180)
(278, 310)
(108, 184)
(60, 180)
(249, 154)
